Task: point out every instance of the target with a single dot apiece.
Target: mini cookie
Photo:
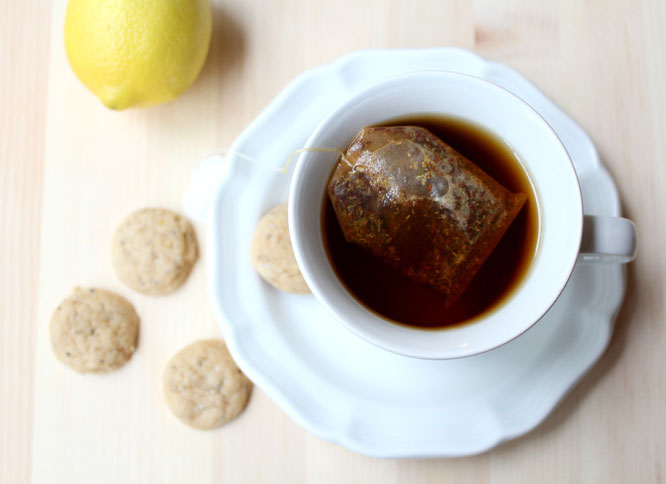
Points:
(94, 330)
(203, 386)
(271, 253)
(153, 250)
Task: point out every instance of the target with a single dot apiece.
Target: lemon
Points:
(137, 52)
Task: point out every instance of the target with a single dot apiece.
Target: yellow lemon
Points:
(137, 52)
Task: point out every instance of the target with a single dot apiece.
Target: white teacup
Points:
(544, 158)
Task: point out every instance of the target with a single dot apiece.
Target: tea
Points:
(391, 294)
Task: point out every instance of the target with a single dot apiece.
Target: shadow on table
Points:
(227, 46)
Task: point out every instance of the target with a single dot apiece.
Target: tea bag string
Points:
(245, 157)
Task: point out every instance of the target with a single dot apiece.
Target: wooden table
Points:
(71, 169)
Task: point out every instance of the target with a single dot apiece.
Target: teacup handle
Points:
(608, 239)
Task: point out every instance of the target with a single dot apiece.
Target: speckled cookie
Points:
(271, 253)
(203, 386)
(94, 330)
(153, 250)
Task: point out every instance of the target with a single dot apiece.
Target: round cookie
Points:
(153, 250)
(271, 253)
(203, 386)
(94, 330)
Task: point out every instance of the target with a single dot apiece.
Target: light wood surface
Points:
(71, 169)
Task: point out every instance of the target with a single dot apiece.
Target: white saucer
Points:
(338, 386)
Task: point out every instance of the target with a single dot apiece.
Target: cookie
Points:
(271, 253)
(203, 386)
(94, 330)
(153, 250)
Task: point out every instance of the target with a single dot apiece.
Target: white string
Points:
(251, 159)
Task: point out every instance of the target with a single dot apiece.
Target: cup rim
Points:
(313, 282)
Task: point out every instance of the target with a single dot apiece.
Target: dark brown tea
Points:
(395, 297)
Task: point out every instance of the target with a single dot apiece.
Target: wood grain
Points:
(24, 59)
(70, 170)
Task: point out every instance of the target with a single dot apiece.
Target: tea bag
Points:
(409, 198)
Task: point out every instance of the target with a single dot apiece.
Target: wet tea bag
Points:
(409, 198)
